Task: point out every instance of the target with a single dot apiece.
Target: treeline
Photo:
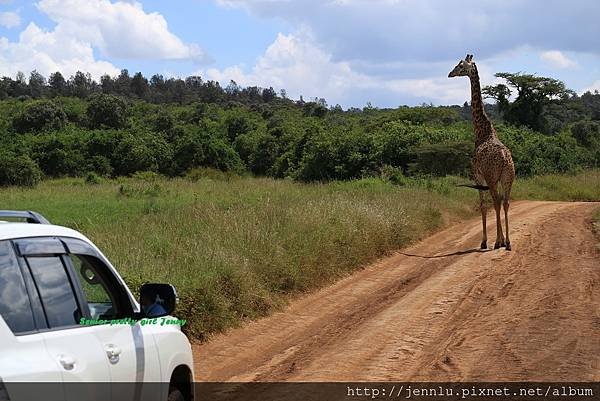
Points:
(157, 89)
(115, 129)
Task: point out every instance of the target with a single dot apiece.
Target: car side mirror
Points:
(157, 300)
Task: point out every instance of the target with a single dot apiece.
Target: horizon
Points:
(393, 56)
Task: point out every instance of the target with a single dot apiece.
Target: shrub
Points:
(199, 148)
(394, 175)
(92, 178)
(143, 152)
(100, 165)
(442, 159)
(587, 133)
(107, 111)
(197, 174)
(60, 155)
(18, 170)
(39, 116)
(340, 155)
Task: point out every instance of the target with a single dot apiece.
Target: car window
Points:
(15, 308)
(100, 301)
(56, 291)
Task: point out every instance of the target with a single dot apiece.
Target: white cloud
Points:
(10, 19)
(595, 86)
(48, 52)
(121, 29)
(557, 59)
(116, 29)
(430, 30)
(296, 63)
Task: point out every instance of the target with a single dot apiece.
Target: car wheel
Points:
(175, 395)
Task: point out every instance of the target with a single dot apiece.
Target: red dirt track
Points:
(441, 310)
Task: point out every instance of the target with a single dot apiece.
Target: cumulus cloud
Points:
(121, 29)
(114, 29)
(595, 86)
(10, 19)
(48, 52)
(557, 59)
(296, 63)
(430, 30)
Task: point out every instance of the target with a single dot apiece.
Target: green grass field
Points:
(238, 248)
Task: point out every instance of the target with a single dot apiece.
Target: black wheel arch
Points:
(181, 378)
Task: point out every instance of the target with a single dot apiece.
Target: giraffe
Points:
(492, 163)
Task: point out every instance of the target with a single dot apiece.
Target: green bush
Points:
(40, 115)
(338, 155)
(195, 147)
(60, 154)
(143, 152)
(442, 159)
(106, 111)
(93, 179)
(18, 170)
(282, 139)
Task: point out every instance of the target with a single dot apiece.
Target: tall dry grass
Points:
(237, 248)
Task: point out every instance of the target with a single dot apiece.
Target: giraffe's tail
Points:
(475, 186)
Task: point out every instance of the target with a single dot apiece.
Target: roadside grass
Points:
(584, 186)
(238, 248)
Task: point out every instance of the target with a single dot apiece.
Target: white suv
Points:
(66, 316)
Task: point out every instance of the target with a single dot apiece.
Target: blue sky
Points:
(350, 52)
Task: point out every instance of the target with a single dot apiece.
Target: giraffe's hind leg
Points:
(483, 209)
(507, 181)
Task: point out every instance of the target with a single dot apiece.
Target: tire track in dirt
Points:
(440, 310)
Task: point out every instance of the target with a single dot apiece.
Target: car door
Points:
(130, 347)
(23, 354)
(75, 348)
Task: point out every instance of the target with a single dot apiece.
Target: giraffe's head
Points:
(464, 68)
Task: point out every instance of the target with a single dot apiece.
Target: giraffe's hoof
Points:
(497, 245)
(508, 248)
(483, 244)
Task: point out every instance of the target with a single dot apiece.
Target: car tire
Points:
(175, 395)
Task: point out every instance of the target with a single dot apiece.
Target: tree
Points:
(139, 85)
(58, 84)
(157, 89)
(233, 90)
(500, 93)
(587, 133)
(81, 85)
(269, 95)
(123, 83)
(533, 94)
(194, 83)
(107, 83)
(37, 84)
(19, 85)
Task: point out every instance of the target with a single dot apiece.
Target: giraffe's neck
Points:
(484, 129)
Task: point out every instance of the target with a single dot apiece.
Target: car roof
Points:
(24, 230)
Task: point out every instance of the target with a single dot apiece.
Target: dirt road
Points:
(440, 310)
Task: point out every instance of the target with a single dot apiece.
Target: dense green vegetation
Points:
(237, 248)
(128, 124)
